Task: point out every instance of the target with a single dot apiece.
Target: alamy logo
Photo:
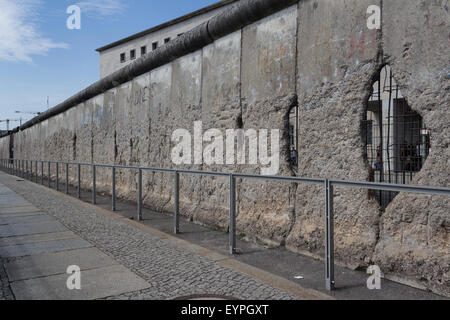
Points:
(74, 280)
(220, 151)
(374, 20)
(74, 20)
(374, 281)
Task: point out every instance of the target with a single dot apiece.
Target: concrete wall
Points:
(321, 56)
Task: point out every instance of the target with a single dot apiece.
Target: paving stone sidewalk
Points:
(44, 234)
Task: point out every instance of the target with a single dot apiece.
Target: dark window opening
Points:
(122, 57)
(397, 142)
(155, 45)
(180, 34)
(133, 54)
(143, 50)
(166, 40)
(293, 137)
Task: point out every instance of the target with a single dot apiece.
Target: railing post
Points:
(232, 228)
(94, 195)
(67, 178)
(57, 176)
(79, 180)
(49, 174)
(113, 189)
(329, 235)
(139, 216)
(31, 170)
(26, 169)
(42, 172)
(36, 171)
(176, 218)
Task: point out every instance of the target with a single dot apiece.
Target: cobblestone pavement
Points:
(172, 271)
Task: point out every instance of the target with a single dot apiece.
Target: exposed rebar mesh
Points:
(397, 142)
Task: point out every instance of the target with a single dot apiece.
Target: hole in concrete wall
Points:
(11, 146)
(293, 137)
(74, 147)
(239, 122)
(116, 151)
(397, 142)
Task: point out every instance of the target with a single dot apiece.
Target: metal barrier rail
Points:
(24, 168)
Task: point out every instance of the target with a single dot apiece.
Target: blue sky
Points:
(40, 57)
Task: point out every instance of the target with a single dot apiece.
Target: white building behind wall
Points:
(118, 54)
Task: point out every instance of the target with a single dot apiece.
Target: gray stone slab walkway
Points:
(36, 251)
(119, 259)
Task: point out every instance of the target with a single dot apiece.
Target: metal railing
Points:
(24, 168)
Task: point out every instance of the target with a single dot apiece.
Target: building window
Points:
(133, 54)
(166, 40)
(155, 45)
(122, 57)
(143, 50)
(180, 34)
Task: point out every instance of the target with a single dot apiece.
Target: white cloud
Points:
(101, 7)
(19, 34)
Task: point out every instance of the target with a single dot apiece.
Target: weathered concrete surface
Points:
(321, 56)
(268, 94)
(414, 238)
(334, 76)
